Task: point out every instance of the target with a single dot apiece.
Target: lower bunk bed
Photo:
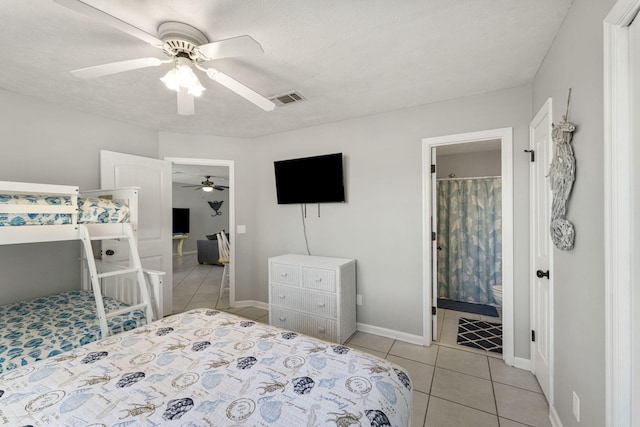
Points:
(205, 367)
(45, 327)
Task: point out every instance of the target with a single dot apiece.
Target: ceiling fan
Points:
(186, 48)
(207, 185)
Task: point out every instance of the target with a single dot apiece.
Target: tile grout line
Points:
(475, 409)
(493, 391)
(430, 394)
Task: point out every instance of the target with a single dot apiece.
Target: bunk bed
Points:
(114, 297)
(206, 367)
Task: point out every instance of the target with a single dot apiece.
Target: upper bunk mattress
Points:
(47, 326)
(92, 210)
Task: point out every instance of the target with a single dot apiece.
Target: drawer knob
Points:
(282, 319)
(318, 279)
(282, 296)
(321, 304)
(321, 330)
(283, 274)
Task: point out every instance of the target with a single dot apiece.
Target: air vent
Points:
(288, 98)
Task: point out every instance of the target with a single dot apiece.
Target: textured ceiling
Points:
(195, 174)
(348, 58)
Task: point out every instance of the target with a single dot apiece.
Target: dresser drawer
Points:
(306, 301)
(319, 279)
(318, 327)
(285, 274)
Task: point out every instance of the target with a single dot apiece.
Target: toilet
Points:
(497, 294)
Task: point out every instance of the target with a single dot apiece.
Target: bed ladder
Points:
(135, 267)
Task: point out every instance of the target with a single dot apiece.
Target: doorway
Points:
(468, 225)
(210, 218)
(447, 145)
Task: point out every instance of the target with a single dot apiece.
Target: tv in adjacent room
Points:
(180, 220)
(318, 179)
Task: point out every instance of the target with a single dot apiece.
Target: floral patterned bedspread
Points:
(44, 327)
(208, 368)
(92, 210)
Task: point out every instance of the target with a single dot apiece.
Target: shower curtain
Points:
(469, 238)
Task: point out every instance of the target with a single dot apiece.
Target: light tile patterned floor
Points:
(198, 285)
(454, 386)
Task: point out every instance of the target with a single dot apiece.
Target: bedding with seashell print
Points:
(205, 367)
(91, 210)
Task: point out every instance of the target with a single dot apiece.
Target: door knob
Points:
(542, 274)
(110, 252)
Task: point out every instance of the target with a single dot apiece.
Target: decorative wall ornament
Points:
(562, 173)
(216, 207)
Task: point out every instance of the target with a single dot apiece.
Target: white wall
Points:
(380, 225)
(575, 61)
(201, 222)
(465, 165)
(46, 143)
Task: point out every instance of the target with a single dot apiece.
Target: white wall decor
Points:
(562, 174)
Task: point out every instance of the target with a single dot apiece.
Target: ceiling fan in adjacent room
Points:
(186, 48)
(207, 185)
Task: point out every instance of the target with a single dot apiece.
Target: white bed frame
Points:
(114, 286)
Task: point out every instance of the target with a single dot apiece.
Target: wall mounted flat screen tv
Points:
(180, 220)
(317, 179)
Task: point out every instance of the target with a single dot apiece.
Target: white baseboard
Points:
(252, 303)
(519, 362)
(390, 333)
(554, 417)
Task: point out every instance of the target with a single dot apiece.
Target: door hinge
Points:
(433, 236)
(533, 336)
(433, 311)
(433, 168)
(532, 153)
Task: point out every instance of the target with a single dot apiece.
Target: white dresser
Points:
(313, 295)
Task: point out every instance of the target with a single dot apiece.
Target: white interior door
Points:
(541, 250)
(434, 245)
(153, 177)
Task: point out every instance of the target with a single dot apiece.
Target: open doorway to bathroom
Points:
(472, 252)
(468, 218)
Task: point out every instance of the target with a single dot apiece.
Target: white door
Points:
(153, 177)
(634, 44)
(434, 245)
(541, 250)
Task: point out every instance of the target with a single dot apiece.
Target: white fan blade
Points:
(186, 103)
(117, 67)
(240, 89)
(110, 20)
(236, 46)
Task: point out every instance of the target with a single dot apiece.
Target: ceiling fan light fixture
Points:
(182, 76)
(170, 80)
(197, 89)
(207, 189)
(185, 77)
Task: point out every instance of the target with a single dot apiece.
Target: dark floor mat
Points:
(480, 334)
(467, 307)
